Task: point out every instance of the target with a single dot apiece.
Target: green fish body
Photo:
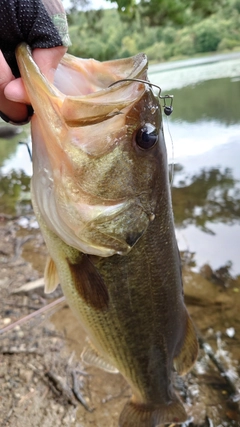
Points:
(104, 206)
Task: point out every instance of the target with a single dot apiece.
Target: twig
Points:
(209, 351)
(29, 286)
(32, 315)
(209, 421)
(61, 387)
(12, 350)
(77, 392)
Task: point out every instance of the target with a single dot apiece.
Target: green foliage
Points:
(185, 46)
(207, 36)
(228, 44)
(105, 35)
(178, 12)
(168, 35)
(15, 193)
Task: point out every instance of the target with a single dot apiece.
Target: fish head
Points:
(97, 150)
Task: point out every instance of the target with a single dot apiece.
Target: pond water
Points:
(203, 139)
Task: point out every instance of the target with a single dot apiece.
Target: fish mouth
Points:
(72, 131)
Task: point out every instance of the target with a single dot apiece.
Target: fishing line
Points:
(167, 108)
(172, 146)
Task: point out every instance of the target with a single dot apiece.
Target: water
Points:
(203, 141)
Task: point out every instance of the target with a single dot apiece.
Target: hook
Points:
(168, 109)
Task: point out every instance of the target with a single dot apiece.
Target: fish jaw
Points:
(78, 141)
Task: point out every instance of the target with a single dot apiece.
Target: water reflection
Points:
(216, 100)
(7, 149)
(15, 193)
(210, 196)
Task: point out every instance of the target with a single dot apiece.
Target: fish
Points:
(101, 195)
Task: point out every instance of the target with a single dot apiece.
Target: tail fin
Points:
(135, 415)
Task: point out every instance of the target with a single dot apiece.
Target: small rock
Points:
(6, 321)
(25, 375)
(230, 332)
(17, 395)
(21, 334)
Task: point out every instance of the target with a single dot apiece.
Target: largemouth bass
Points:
(100, 191)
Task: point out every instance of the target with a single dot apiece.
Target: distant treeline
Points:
(106, 34)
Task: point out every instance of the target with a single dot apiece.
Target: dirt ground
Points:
(42, 379)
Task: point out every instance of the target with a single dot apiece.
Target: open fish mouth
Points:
(87, 169)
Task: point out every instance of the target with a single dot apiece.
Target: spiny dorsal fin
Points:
(189, 351)
(51, 279)
(91, 356)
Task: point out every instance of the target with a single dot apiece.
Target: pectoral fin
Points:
(91, 356)
(189, 351)
(89, 284)
(51, 279)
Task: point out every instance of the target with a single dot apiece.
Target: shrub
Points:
(156, 52)
(169, 35)
(185, 45)
(226, 43)
(207, 36)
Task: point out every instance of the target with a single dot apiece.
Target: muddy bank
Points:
(43, 381)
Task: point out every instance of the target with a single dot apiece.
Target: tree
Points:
(162, 12)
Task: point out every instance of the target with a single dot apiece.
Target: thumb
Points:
(47, 61)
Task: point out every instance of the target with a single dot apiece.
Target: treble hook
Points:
(168, 109)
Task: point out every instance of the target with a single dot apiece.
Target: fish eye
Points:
(147, 136)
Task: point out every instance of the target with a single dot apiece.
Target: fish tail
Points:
(143, 415)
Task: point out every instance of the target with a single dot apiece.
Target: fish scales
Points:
(100, 191)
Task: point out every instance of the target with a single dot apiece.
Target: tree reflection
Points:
(9, 140)
(211, 196)
(15, 193)
(7, 149)
(210, 100)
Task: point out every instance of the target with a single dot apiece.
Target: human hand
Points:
(13, 97)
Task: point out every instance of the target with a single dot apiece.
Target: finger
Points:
(48, 60)
(16, 112)
(6, 74)
(15, 91)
